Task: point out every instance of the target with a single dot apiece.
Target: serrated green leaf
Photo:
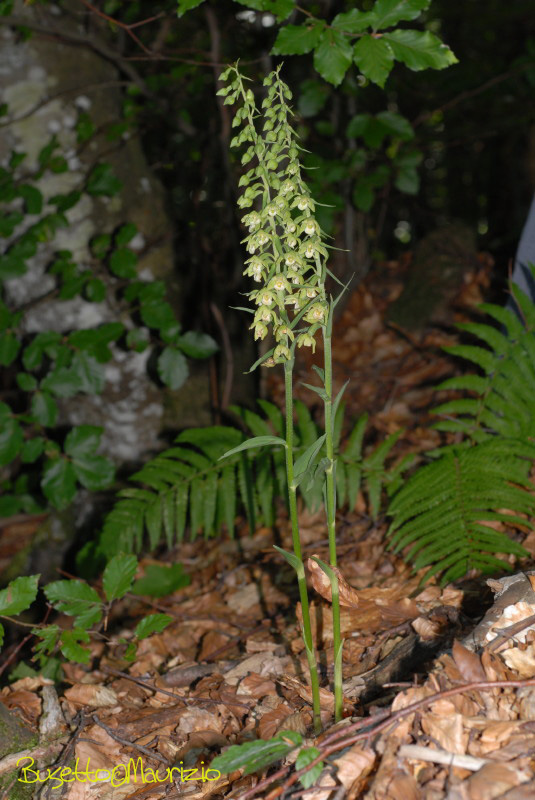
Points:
(71, 647)
(187, 5)
(419, 50)
(353, 21)
(305, 756)
(118, 576)
(19, 595)
(297, 39)
(59, 482)
(332, 56)
(153, 623)
(375, 58)
(389, 12)
(76, 599)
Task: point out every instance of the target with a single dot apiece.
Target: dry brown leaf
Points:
(257, 686)
(492, 780)
(349, 597)
(354, 767)
(447, 730)
(426, 629)
(29, 703)
(273, 721)
(92, 695)
(468, 663)
(522, 661)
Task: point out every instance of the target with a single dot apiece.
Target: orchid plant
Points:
(288, 260)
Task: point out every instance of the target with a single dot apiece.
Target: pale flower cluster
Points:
(284, 242)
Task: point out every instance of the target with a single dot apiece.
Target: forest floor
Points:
(426, 717)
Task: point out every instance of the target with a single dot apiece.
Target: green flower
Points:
(284, 332)
(279, 283)
(316, 313)
(306, 340)
(260, 330)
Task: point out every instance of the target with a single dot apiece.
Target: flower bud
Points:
(281, 353)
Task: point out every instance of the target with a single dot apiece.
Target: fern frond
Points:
(442, 509)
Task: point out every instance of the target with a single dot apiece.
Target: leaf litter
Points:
(436, 707)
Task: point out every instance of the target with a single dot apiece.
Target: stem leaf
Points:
(256, 441)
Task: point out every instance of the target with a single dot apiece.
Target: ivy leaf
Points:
(254, 756)
(154, 623)
(374, 58)
(43, 342)
(172, 368)
(83, 440)
(62, 382)
(94, 472)
(9, 348)
(123, 263)
(32, 449)
(332, 56)
(187, 5)
(72, 649)
(44, 409)
(389, 12)
(33, 199)
(59, 482)
(125, 234)
(197, 345)
(100, 244)
(95, 290)
(11, 437)
(160, 581)
(295, 40)
(157, 314)
(18, 596)
(118, 576)
(88, 373)
(76, 599)
(102, 182)
(419, 49)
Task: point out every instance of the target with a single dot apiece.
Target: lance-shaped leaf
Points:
(256, 441)
(254, 756)
(305, 462)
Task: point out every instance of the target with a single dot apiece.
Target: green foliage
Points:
(160, 581)
(257, 755)
(78, 600)
(44, 466)
(213, 473)
(446, 511)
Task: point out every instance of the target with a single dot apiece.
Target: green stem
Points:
(331, 513)
(303, 594)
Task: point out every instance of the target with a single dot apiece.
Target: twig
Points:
(80, 39)
(124, 25)
(419, 753)
(510, 631)
(152, 688)
(127, 743)
(341, 740)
